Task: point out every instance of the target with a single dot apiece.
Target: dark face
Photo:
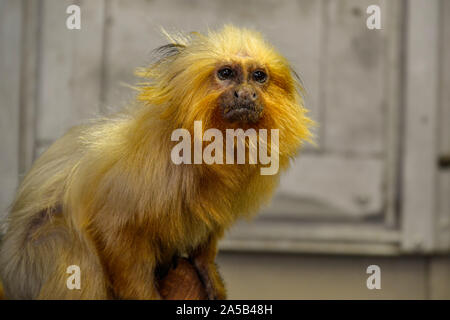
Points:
(241, 98)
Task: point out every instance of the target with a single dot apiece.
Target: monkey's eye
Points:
(225, 74)
(259, 76)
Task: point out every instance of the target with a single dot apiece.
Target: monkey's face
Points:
(230, 79)
(241, 85)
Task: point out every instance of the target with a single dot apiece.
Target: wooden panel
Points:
(133, 31)
(29, 83)
(358, 233)
(394, 22)
(443, 222)
(315, 246)
(354, 79)
(329, 187)
(420, 147)
(70, 67)
(10, 48)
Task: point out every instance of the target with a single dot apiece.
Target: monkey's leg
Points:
(34, 258)
(130, 263)
(78, 274)
(204, 260)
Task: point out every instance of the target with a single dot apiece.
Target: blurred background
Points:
(375, 190)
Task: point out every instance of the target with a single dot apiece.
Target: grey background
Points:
(371, 192)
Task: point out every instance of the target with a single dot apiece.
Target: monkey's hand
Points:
(182, 283)
(203, 260)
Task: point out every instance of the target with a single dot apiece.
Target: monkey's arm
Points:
(203, 259)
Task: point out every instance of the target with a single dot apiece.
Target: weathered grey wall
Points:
(371, 187)
(280, 276)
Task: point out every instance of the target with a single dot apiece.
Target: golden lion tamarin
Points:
(108, 198)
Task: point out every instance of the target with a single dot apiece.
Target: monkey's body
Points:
(118, 239)
(107, 197)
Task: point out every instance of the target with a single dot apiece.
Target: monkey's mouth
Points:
(248, 113)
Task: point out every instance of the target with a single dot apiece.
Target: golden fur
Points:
(107, 197)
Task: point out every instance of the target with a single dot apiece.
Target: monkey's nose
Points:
(245, 95)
